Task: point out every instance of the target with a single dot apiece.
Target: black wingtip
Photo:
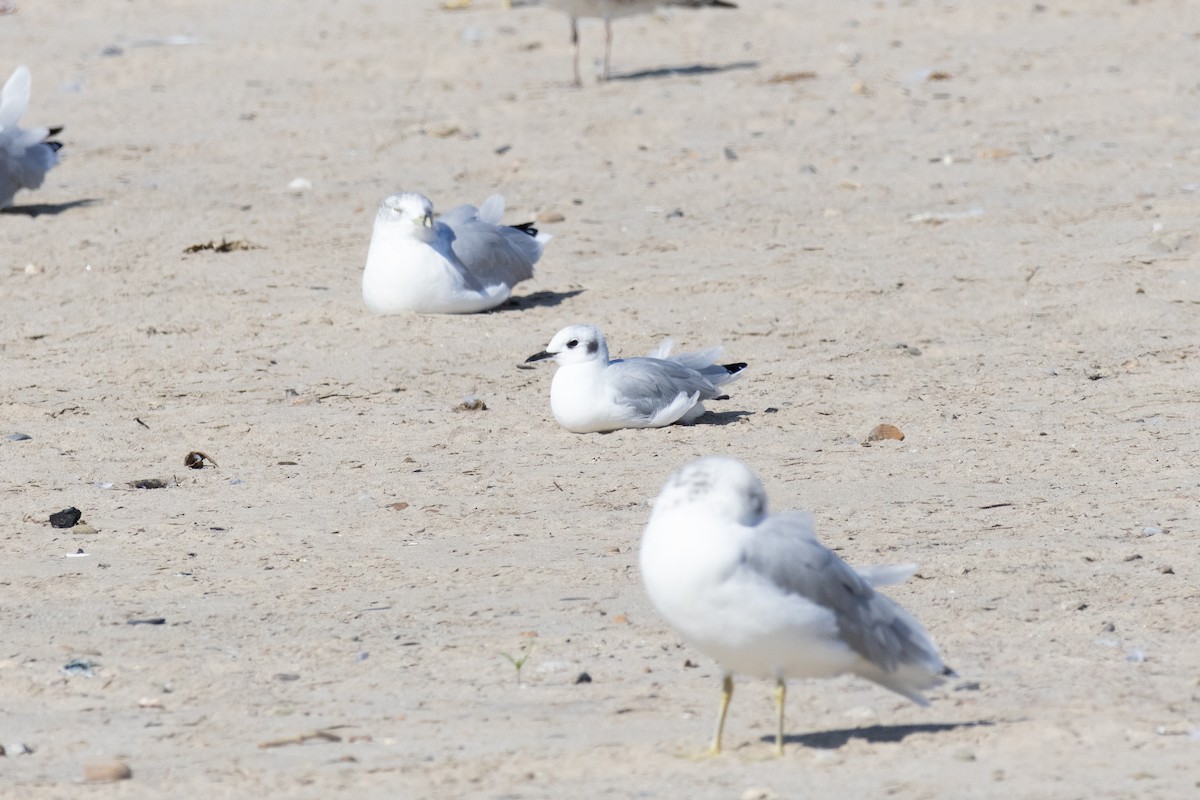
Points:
(734, 369)
(525, 228)
(55, 131)
(55, 146)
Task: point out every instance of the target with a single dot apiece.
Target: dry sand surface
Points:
(973, 220)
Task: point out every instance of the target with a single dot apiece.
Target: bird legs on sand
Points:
(607, 48)
(575, 44)
(780, 699)
(726, 696)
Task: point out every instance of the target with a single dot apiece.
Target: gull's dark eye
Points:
(573, 343)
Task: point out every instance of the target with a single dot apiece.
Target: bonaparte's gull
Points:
(462, 262)
(25, 155)
(591, 394)
(608, 10)
(763, 597)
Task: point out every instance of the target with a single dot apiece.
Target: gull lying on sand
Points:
(591, 394)
(608, 10)
(763, 597)
(25, 156)
(464, 261)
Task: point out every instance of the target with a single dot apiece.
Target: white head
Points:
(575, 344)
(407, 208)
(721, 488)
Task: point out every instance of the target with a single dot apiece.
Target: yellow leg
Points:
(726, 696)
(780, 700)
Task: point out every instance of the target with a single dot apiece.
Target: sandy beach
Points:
(974, 221)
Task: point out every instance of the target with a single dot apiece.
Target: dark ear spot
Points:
(593, 346)
(758, 504)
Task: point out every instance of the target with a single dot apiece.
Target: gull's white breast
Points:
(694, 575)
(580, 401)
(406, 274)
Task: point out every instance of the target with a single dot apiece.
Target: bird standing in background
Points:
(608, 10)
(25, 155)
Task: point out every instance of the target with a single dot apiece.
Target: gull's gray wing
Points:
(649, 385)
(785, 550)
(703, 361)
(492, 253)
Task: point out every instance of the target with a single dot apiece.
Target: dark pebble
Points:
(66, 518)
(583, 677)
(19, 437)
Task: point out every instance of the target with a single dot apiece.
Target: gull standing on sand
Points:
(763, 597)
(590, 394)
(462, 262)
(608, 10)
(25, 156)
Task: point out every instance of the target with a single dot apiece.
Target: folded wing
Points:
(491, 252)
(785, 551)
(649, 385)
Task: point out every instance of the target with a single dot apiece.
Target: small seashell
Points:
(196, 460)
(759, 793)
(885, 431)
(106, 770)
(471, 403)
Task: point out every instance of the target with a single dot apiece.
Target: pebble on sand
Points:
(67, 518)
(106, 770)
